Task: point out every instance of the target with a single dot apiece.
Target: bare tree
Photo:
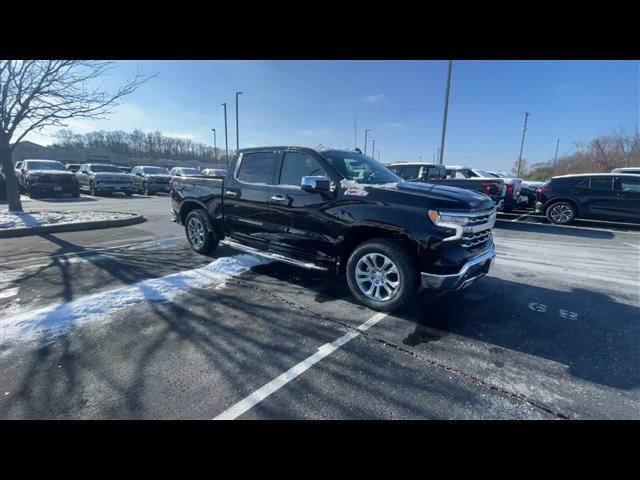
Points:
(39, 93)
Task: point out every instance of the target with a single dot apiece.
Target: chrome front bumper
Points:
(472, 270)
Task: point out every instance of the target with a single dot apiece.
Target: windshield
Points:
(500, 174)
(105, 168)
(188, 172)
(154, 170)
(360, 168)
(485, 174)
(44, 166)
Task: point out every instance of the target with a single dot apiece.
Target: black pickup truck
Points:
(341, 212)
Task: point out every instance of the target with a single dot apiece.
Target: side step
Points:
(272, 256)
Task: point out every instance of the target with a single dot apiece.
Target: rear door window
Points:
(257, 167)
(600, 183)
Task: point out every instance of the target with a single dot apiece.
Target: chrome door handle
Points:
(279, 198)
(231, 193)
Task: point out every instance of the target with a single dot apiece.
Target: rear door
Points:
(627, 191)
(597, 196)
(302, 230)
(247, 209)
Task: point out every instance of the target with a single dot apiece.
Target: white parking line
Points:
(277, 383)
(521, 216)
(632, 245)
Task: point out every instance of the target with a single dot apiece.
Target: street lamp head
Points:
(239, 93)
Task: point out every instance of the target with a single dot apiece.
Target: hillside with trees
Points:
(603, 154)
(137, 144)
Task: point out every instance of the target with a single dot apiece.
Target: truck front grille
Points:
(474, 241)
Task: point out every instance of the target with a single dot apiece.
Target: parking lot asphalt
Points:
(552, 332)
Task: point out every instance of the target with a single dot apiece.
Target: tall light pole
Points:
(373, 148)
(237, 124)
(226, 140)
(365, 140)
(524, 131)
(555, 159)
(355, 133)
(444, 117)
(215, 147)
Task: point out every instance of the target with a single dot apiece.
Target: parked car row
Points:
(46, 177)
(611, 196)
(503, 189)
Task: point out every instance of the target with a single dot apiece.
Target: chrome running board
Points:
(272, 256)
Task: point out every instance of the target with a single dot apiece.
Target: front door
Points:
(627, 191)
(303, 231)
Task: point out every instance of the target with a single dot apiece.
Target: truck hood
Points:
(57, 173)
(159, 177)
(111, 175)
(441, 196)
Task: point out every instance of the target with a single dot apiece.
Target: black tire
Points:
(205, 242)
(75, 195)
(406, 275)
(31, 193)
(561, 213)
(128, 194)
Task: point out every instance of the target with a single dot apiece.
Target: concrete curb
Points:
(71, 227)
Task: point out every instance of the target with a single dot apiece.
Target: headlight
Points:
(447, 219)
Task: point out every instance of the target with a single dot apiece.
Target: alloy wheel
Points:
(377, 277)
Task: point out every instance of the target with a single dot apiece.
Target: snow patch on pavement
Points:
(49, 322)
(9, 219)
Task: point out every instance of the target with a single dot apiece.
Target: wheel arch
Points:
(569, 200)
(358, 235)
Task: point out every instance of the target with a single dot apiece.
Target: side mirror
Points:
(315, 184)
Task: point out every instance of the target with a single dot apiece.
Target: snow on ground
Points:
(37, 218)
(54, 320)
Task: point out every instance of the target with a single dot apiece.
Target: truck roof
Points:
(295, 147)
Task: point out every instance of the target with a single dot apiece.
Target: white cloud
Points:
(318, 132)
(369, 99)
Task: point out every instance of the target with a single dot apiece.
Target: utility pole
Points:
(524, 131)
(444, 117)
(555, 159)
(226, 141)
(365, 140)
(237, 124)
(355, 133)
(215, 147)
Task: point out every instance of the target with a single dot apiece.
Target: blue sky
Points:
(312, 102)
